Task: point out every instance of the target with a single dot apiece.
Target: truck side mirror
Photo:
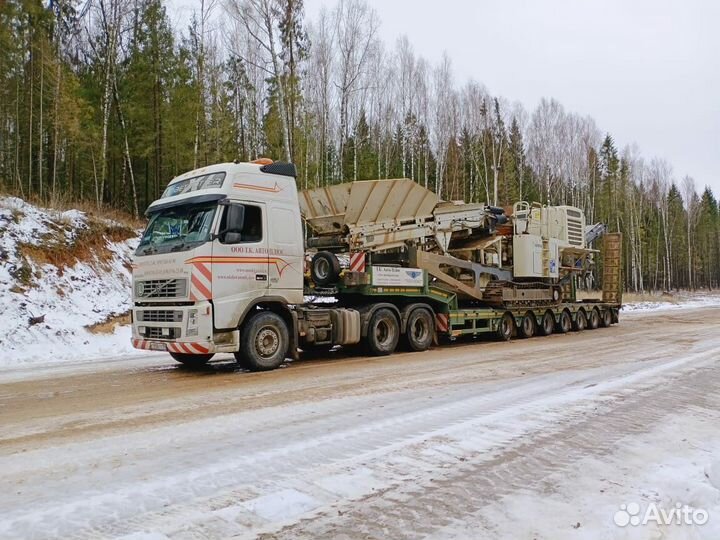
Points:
(234, 218)
(234, 222)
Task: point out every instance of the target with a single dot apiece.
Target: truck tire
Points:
(383, 333)
(419, 330)
(506, 327)
(193, 360)
(527, 327)
(565, 322)
(548, 324)
(580, 322)
(264, 342)
(593, 319)
(324, 268)
(606, 318)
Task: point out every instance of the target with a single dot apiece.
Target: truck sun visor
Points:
(196, 183)
(199, 199)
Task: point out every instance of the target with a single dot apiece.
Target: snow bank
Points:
(689, 301)
(80, 292)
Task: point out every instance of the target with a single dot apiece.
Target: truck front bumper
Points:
(180, 330)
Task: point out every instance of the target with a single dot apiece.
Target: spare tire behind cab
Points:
(324, 268)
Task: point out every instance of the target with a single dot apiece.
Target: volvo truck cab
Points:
(220, 242)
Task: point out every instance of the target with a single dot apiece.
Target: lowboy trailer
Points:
(234, 260)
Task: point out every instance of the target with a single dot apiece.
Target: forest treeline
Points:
(104, 101)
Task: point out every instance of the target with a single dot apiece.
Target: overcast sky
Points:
(648, 71)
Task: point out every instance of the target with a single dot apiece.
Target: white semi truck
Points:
(235, 260)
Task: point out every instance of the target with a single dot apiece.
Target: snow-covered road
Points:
(540, 438)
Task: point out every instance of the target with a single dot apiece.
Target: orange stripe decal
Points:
(254, 187)
(279, 263)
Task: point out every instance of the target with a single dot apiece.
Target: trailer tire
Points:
(506, 327)
(565, 323)
(383, 333)
(324, 268)
(419, 330)
(593, 319)
(264, 342)
(548, 324)
(580, 322)
(192, 360)
(527, 327)
(606, 318)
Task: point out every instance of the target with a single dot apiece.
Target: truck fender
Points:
(407, 310)
(366, 312)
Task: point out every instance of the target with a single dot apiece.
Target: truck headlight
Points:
(139, 289)
(192, 323)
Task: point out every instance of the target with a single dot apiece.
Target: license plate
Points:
(154, 346)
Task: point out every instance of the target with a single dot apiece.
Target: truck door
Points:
(240, 264)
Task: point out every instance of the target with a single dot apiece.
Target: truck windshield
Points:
(177, 229)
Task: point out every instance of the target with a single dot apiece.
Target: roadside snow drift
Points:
(61, 273)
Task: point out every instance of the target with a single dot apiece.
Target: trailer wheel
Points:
(324, 268)
(594, 319)
(506, 328)
(580, 321)
(193, 360)
(383, 333)
(419, 330)
(548, 324)
(606, 318)
(527, 326)
(565, 323)
(264, 342)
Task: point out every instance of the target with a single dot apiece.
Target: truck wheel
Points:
(194, 360)
(565, 323)
(527, 326)
(383, 333)
(594, 319)
(506, 327)
(324, 268)
(548, 324)
(420, 329)
(580, 321)
(264, 342)
(606, 318)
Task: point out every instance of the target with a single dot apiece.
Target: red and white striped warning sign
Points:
(357, 261)
(201, 282)
(441, 322)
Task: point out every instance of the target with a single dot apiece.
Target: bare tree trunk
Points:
(18, 179)
(40, 126)
(111, 31)
(128, 161)
(56, 130)
(30, 136)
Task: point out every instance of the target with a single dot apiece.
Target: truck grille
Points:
(161, 288)
(160, 315)
(157, 333)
